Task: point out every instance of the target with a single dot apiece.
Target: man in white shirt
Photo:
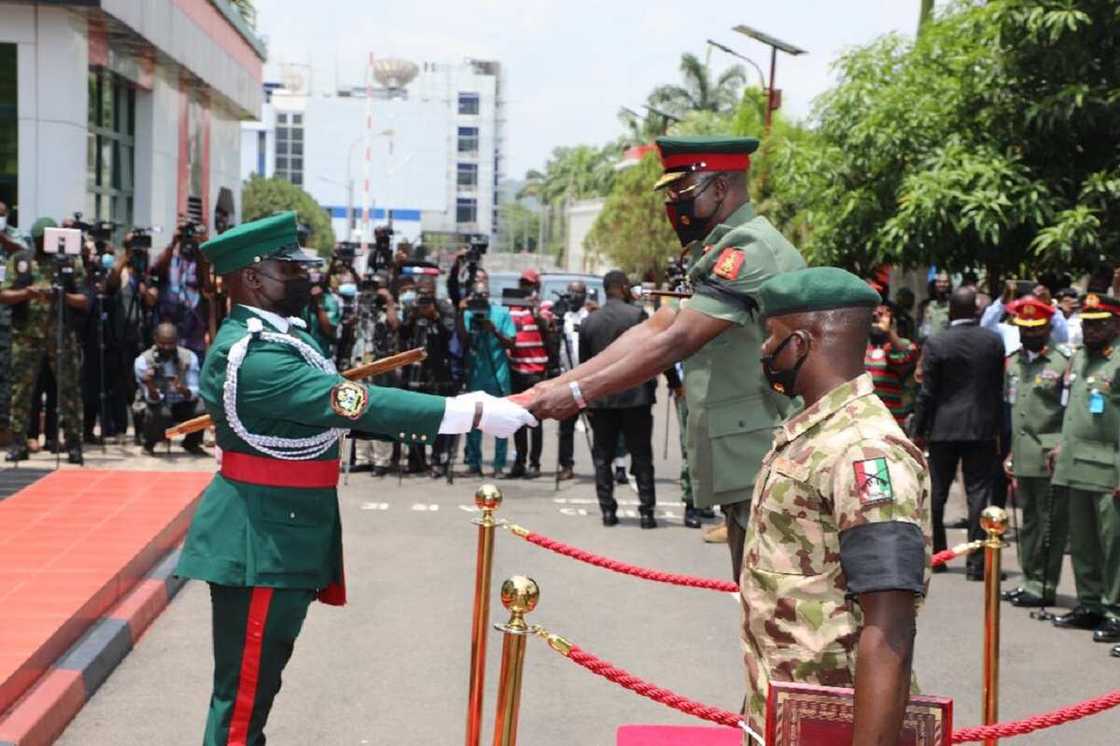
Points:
(569, 359)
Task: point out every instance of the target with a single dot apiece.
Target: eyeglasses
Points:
(689, 192)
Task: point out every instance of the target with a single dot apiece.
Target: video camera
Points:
(63, 244)
(99, 231)
(345, 251)
(381, 257)
(189, 233)
(139, 244)
(478, 307)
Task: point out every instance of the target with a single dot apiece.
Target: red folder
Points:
(807, 715)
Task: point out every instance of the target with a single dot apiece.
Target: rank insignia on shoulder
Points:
(873, 478)
(349, 399)
(728, 264)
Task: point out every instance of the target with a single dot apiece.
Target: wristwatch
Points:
(577, 395)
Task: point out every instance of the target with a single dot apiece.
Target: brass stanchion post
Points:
(487, 498)
(520, 596)
(994, 522)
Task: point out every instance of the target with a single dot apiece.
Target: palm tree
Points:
(642, 130)
(699, 92)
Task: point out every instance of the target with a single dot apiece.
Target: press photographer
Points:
(323, 314)
(430, 324)
(570, 309)
(467, 269)
(184, 283)
(43, 330)
(167, 375)
(376, 335)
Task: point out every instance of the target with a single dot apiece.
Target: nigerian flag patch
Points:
(874, 480)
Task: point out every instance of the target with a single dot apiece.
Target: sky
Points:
(569, 65)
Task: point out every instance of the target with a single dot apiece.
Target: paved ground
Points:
(391, 668)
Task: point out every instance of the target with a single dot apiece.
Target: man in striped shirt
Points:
(890, 362)
(528, 363)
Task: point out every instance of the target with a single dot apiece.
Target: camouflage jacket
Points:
(840, 464)
(37, 320)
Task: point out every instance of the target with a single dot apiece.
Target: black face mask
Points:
(690, 227)
(578, 301)
(877, 336)
(782, 381)
(297, 295)
(1032, 344)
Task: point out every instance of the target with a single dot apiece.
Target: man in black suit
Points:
(958, 413)
(629, 412)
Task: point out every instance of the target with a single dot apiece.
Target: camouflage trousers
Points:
(28, 355)
(5, 365)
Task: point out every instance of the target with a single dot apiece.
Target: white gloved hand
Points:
(502, 418)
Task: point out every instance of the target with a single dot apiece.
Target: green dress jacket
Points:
(1033, 388)
(251, 531)
(1091, 428)
(732, 412)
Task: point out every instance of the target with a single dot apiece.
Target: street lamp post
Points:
(772, 100)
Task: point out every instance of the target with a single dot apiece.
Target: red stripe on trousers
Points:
(250, 667)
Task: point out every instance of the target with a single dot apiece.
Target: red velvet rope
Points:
(1038, 722)
(627, 680)
(661, 577)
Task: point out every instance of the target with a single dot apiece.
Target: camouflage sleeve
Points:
(726, 279)
(880, 492)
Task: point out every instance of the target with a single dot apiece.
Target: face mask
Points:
(408, 297)
(688, 226)
(578, 301)
(297, 295)
(877, 336)
(782, 381)
(1033, 344)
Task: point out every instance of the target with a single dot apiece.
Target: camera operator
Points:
(33, 282)
(467, 269)
(528, 362)
(183, 276)
(571, 309)
(323, 315)
(377, 335)
(430, 323)
(168, 378)
(485, 332)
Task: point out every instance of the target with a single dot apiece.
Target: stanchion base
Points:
(1042, 615)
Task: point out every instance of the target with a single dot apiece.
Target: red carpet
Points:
(71, 545)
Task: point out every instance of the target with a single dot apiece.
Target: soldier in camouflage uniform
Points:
(839, 538)
(1033, 390)
(27, 288)
(11, 241)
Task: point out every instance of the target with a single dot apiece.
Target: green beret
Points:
(683, 155)
(41, 225)
(274, 237)
(815, 289)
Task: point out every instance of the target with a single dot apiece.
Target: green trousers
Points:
(682, 422)
(255, 630)
(1094, 532)
(1042, 539)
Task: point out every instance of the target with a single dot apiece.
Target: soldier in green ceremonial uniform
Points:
(838, 550)
(1086, 471)
(267, 535)
(29, 288)
(1033, 389)
(731, 252)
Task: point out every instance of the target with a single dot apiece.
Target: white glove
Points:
(500, 417)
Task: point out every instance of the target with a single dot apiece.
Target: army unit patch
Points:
(874, 480)
(728, 264)
(349, 399)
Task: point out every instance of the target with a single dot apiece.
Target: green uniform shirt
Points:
(284, 537)
(34, 319)
(1033, 388)
(732, 410)
(1091, 427)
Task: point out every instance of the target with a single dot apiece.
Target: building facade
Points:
(125, 110)
(435, 136)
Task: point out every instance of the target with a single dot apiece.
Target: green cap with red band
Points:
(685, 155)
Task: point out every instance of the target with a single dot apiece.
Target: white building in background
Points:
(436, 146)
(125, 110)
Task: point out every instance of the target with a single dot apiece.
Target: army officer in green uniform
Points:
(267, 535)
(1033, 390)
(1086, 471)
(732, 251)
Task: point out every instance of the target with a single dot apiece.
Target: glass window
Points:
(297, 148)
(466, 210)
(468, 139)
(289, 147)
(297, 134)
(468, 174)
(282, 118)
(9, 134)
(297, 118)
(110, 158)
(468, 103)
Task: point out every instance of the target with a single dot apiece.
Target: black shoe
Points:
(90, 439)
(474, 471)
(691, 519)
(51, 446)
(620, 475)
(706, 512)
(149, 449)
(533, 472)
(1028, 600)
(379, 471)
(517, 472)
(1115, 653)
(565, 474)
(18, 453)
(938, 569)
(649, 521)
(75, 456)
(195, 449)
(959, 523)
(1079, 618)
(610, 519)
(1012, 594)
(438, 472)
(1108, 631)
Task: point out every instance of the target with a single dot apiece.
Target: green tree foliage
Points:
(631, 232)
(988, 142)
(572, 173)
(698, 90)
(520, 228)
(261, 197)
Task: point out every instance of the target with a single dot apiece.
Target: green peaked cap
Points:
(274, 237)
(815, 289)
(683, 155)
